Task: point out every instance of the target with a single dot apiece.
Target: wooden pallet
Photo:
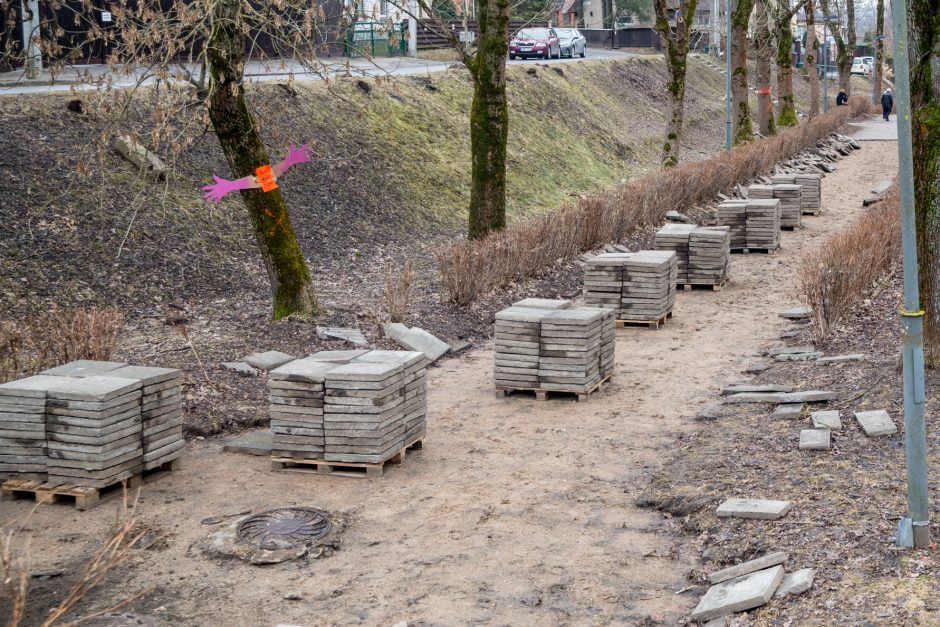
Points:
(715, 287)
(342, 469)
(766, 251)
(811, 213)
(541, 394)
(83, 497)
(652, 324)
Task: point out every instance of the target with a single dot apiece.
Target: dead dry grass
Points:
(56, 337)
(847, 267)
(472, 268)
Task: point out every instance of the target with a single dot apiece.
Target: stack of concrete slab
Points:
(603, 280)
(297, 391)
(551, 345)
(93, 430)
(810, 189)
(649, 285)
(634, 286)
(161, 412)
(570, 348)
(733, 214)
(709, 255)
(675, 237)
(763, 223)
(791, 205)
(349, 406)
(364, 412)
(517, 336)
(23, 427)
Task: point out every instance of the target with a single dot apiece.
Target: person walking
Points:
(887, 103)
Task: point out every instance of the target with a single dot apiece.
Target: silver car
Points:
(572, 42)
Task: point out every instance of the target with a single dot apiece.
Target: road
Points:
(84, 77)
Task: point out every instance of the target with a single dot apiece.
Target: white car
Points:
(572, 42)
(861, 66)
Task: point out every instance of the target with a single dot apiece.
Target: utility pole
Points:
(913, 530)
(728, 76)
(825, 64)
(30, 25)
(413, 28)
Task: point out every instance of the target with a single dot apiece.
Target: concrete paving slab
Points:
(875, 423)
(789, 411)
(418, 339)
(757, 509)
(239, 367)
(815, 440)
(826, 419)
(738, 595)
(840, 359)
(791, 350)
(796, 582)
(268, 360)
(739, 388)
(353, 336)
(797, 313)
(83, 368)
(745, 568)
(395, 330)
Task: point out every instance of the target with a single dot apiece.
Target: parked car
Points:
(861, 67)
(535, 42)
(572, 42)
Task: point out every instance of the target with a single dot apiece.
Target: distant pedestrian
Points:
(887, 103)
(841, 99)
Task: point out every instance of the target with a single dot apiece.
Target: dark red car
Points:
(535, 42)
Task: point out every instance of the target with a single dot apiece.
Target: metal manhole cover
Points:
(284, 528)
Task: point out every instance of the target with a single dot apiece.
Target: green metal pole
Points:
(915, 530)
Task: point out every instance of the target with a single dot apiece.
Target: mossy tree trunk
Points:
(291, 286)
(762, 51)
(812, 56)
(742, 130)
(786, 107)
(489, 120)
(676, 45)
(845, 47)
(877, 76)
(925, 122)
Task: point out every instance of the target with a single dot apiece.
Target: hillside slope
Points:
(392, 182)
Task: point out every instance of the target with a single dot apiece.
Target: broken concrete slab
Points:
(754, 397)
(826, 419)
(268, 360)
(791, 350)
(757, 367)
(797, 313)
(395, 330)
(796, 582)
(738, 595)
(815, 440)
(810, 396)
(418, 339)
(756, 509)
(745, 568)
(353, 336)
(875, 423)
(254, 443)
(740, 388)
(789, 411)
(239, 367)
(675, 216)
(840, 359)
(798, 356)
(789, 335)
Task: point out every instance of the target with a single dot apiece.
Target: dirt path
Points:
(516, 511)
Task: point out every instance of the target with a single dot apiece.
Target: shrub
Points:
(56, 337)
(398, 292)
(836, 279)
(472, 268)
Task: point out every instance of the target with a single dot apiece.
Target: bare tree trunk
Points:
(812, 56)
(877, 76)
(291, 286)
(845, 47)
(765, 105)
(489, 120)
(924, 20)
(677, 51)
(742, 130)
